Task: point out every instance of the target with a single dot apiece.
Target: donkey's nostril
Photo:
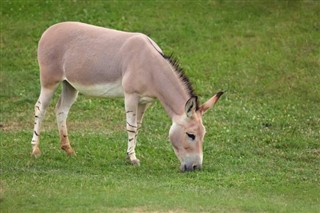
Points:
(190, 167)
(183, 168)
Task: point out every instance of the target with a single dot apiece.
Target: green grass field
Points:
(262, 149)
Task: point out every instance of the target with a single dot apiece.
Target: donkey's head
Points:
(186, 134)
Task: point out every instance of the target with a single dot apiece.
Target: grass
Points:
(262, 151)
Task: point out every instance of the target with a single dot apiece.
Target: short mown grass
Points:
(262, 149)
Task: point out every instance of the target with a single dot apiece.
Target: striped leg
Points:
(131, 106)
(133, 131)
(67, 98)
(40, 109)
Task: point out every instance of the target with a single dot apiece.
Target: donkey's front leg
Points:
(131, 106)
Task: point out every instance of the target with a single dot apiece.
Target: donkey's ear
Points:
(207, 105)
(191, 106)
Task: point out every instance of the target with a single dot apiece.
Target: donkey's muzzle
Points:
(190, 167)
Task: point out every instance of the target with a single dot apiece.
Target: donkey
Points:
(102, 62)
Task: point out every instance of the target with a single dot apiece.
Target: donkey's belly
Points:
(110, 89)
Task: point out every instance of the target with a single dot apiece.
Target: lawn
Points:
(262, 148)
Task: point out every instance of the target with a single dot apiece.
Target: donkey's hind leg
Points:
(40, 109)
(67, 98)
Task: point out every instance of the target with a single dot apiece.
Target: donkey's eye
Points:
(191, 136)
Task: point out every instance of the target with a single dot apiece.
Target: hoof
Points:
(68, 150)
(71, 152)
(135, 162)
(36, 152)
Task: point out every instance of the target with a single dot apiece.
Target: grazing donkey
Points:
(102, 62)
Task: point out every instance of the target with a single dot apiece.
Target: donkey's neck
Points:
(172, 91)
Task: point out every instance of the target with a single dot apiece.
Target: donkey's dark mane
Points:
(177, 68)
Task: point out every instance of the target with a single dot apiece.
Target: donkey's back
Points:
(85, 54)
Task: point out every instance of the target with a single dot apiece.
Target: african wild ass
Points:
(103, 62)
